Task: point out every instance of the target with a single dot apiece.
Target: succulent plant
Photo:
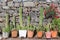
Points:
(41, 17)
(20, 16)
(7, 20)
(47, 27)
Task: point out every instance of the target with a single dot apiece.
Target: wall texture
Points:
(12, 7)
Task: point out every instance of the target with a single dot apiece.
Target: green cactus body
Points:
(41, 16)
(20, 16)
(7, 20)
(28, 20)
(14, 21)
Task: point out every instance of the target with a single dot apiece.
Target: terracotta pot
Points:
(39, 34)
(54, 34)
(48, 34)
(30, 34)
(14, 33)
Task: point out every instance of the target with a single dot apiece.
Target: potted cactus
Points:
(47, 29)
(14, 30)
(22, 29)
(58, 24)
(30, 28)
(54, 28)
(40, 27)
(39, 31)
(6, 30)
(30, 32)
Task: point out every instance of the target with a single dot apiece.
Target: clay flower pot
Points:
(48, 34)
(39, 34)
(54, 34)
(14, 33)
(30, 34)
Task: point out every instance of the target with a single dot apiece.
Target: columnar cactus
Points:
(14, 21)
(20, 16)
(41, 16)
(7, 20)
(28, 20)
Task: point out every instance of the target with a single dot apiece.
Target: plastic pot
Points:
(22, 33)
(5, 35)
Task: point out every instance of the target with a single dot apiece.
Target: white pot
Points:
(0, 37)
(5, 35)
(48, 0)
(22, 33)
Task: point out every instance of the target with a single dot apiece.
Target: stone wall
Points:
(12, 7)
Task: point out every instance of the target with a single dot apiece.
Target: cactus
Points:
(28, 20)
(7, 20)
(14, 21)
(20, 16)
(41, 16)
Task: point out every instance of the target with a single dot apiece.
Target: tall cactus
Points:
(41, 16)
(20, 16)
(7, 20)
(28, 20)
(14, 20)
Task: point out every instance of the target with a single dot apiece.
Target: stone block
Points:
(29, 4)
(10, 4)
(5, 7)
(3, 3)
(3, 0)
(16, 4)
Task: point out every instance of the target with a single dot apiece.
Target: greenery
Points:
(21, 28)
(50, 12)
(20, 16)
(7, 20)
(54, 24)
(6, 29)
(47, 27)
(7, 26)
(31, 27)
(40, 28)
(41, 17)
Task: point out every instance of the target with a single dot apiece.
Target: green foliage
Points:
(31, 27)
(6, 29)
(40, 28)
(54, 23)
(7, 20)
(47, 27)
(21, 28)
(41, 16)
(50, 13)
(20, 16)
